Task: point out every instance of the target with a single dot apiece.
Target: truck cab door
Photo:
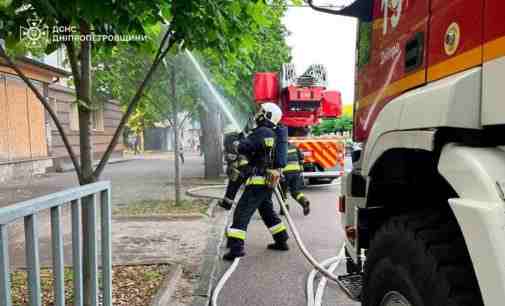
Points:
(456, 36)
(398, 59)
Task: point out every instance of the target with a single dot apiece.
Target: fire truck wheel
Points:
(420, 260)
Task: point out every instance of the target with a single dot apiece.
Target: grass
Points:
(131, 285)
(165, 207)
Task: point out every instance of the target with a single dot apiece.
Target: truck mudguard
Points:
(478, 176)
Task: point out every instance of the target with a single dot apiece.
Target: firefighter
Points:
(238, 169)
(259, 148)
(293, 180)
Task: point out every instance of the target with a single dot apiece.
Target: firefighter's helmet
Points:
(269, 111)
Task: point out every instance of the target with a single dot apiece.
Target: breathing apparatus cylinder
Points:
(229, 140)
(280, 156)
(281, 147)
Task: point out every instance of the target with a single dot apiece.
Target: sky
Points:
(319, 38)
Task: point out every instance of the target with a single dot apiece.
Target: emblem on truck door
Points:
(452, 38)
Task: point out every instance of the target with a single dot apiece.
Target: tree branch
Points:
(48, 108)
(162, 45)
(188, 115)
(133, 104)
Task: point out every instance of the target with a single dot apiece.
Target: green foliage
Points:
(234, 37)
(5, 3)
(117, 73)
(364, 43)
(332, 126)
(263, 48)
(107, 17)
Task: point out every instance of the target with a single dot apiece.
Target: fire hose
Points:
(331, 263)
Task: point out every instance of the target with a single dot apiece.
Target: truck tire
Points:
(420, 260)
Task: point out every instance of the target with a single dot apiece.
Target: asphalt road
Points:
(267, 278)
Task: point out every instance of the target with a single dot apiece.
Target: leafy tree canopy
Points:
(229, 28)
(262, 47)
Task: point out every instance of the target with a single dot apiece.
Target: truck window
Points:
(364, 43)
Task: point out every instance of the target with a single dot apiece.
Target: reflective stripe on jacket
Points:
(256, 180)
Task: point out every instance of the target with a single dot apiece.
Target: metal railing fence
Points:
(82, 201)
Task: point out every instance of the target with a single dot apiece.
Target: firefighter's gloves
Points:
(225, 203)
(273, 176)
(233, 173)
(231, 157)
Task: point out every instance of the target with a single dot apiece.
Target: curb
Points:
(165, 217)
(70, 167)
(209, 267)
(167, 289)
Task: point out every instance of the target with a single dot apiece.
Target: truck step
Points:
(351, 284)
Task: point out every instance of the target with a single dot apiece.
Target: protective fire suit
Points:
(293, 180)
(258, 148)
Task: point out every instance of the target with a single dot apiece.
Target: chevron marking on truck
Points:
(326, 152)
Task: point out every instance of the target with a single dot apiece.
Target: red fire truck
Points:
(304, 101)
(424, 207)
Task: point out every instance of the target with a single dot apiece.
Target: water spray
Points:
(222, 104)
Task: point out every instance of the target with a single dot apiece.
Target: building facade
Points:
(104, 122)
(29, 142)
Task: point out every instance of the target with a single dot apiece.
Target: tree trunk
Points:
(212, 143)
(220, 147)
(203, 131)
(88, 203)
(84, 112)
(175, 128)
(142, 141)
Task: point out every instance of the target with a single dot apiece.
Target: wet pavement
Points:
(267, 278)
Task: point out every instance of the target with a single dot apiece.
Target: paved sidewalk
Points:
(148, 177)
(143, 178)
